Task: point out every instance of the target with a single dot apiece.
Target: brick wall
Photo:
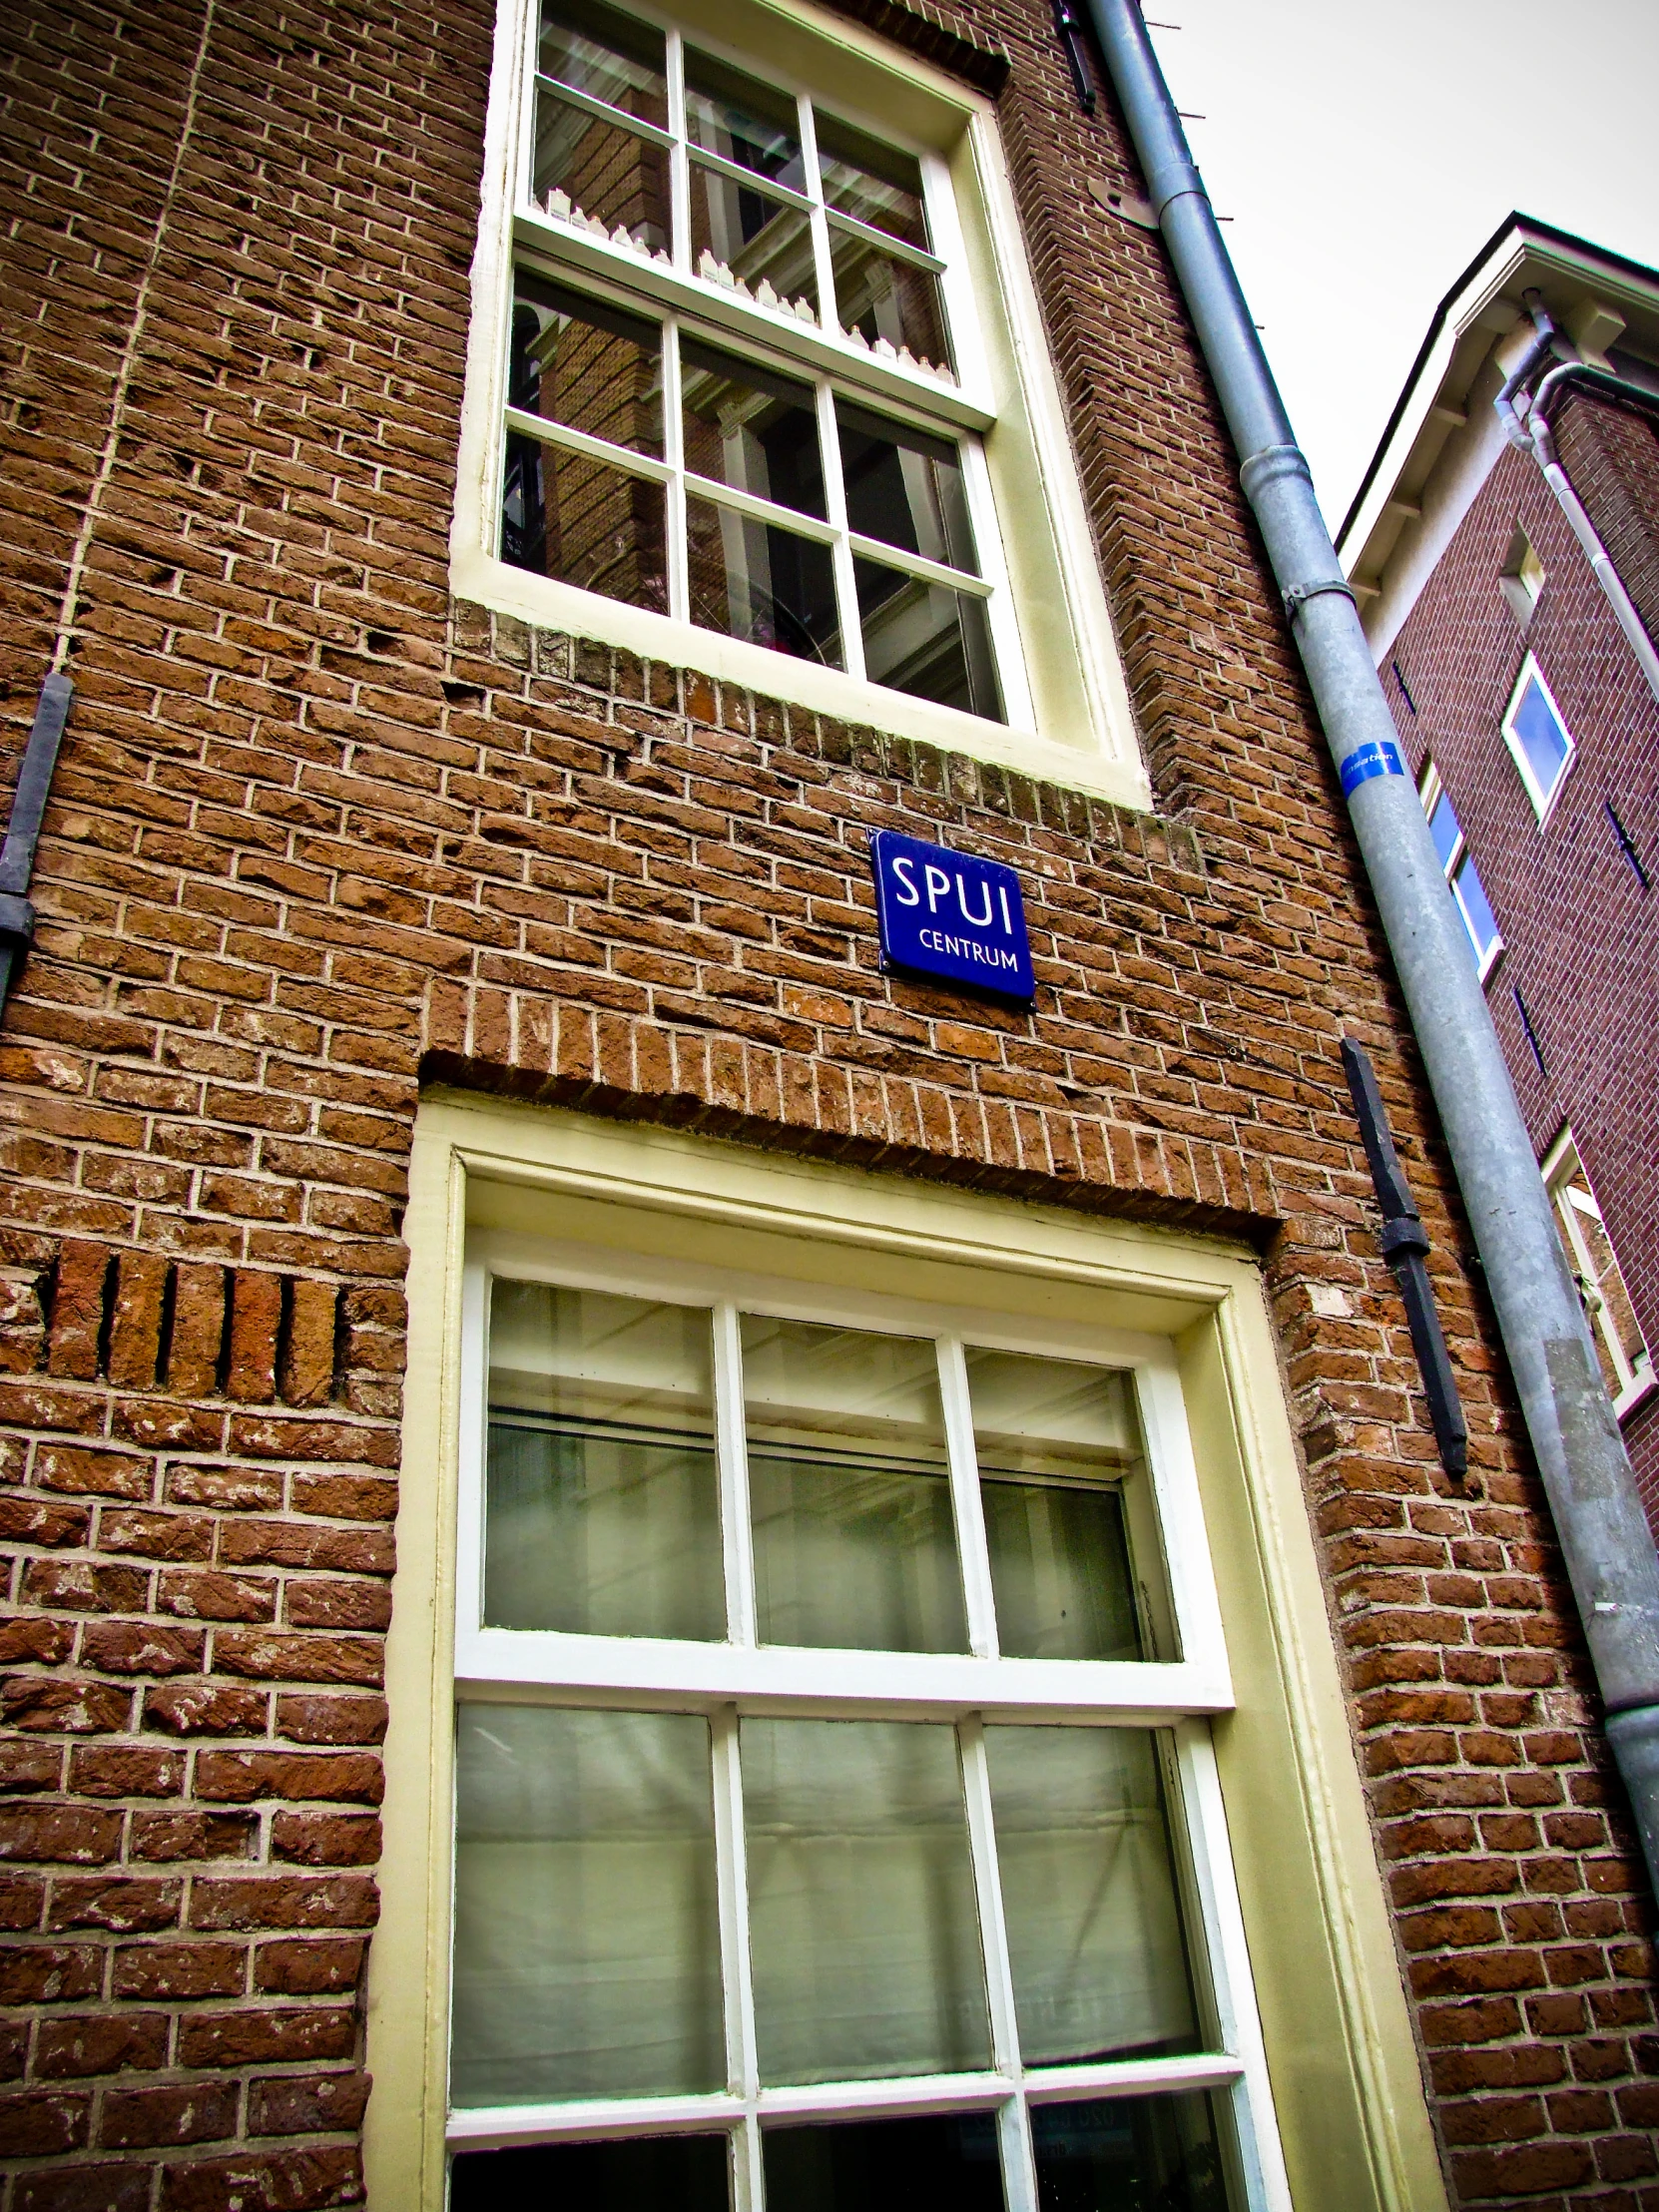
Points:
(1582, 935)
(318, 834)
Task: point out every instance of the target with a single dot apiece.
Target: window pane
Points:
(611, 57)
(758, 245)
(599, 528)
(1445, 829)
(1478, 919)
(889, 301)
(661, 2173)
(577, 361)
(862, 1925)
(849, 1489)
(927, 640)
(1088, 1893)
(587, 1943)
(747, 427)
(751, 580)
(1540, 735)
(885, 2165)
(747, 122)
(602, 1499)
(1054, 1439)
(876, 184)
(906, 488)
(602, 170)
(1128, 2152)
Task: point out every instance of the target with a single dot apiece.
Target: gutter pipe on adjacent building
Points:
(1532, 433)
(1603, 1531)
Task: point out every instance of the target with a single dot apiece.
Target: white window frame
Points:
(1068, 706)
(1543, 801)
(740, 1675)
(1564, 1163)
(1430, 791)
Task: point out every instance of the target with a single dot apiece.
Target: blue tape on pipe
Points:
(1368, 760)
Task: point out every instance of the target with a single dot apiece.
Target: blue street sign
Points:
(945, 913)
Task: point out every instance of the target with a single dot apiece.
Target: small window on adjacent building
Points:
(1462, 874)
(1537, 735)
(1626, 1362)
(1522, 578)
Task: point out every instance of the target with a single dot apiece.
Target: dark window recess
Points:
(661, 2173)
(887, 2166)
(1128, 2154)
(1526, 1025)
(1627, 844)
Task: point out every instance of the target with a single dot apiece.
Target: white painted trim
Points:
(1544, 803)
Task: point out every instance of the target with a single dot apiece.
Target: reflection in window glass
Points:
(602, 1513)
(736, 116)
(1088, 1893)
(1462, 876)
(887, 300)
(1055, 1439)
(1131, 2152)
(752, 580)
(608, 55)
(1538, 736)
(885, 2165)
(656, 2173)
(747, 240)
(927, 640)
(751, 428)
(577, 362)
(587, 1938)
(585, 165)
(906, 488)
(1626, 1362)
(873, 183)
(849, 1489)
(582, 523)
(862, 1925)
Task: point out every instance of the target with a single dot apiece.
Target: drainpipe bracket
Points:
(1297, 596)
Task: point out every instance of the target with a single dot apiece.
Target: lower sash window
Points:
(836, 1821)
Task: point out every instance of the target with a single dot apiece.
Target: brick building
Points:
(1532, 725)
(928, 1648)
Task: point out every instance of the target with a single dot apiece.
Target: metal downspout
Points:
(1603, 1532)
(1538, 437)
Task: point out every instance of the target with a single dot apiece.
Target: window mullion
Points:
(743, 2069)
(1013, 2125)
(1198, 1829)
(834, 495)
(967, 1502)
(813, 178)
(736, 1530)
(474, 1445)
(673, 441)
(679, 162)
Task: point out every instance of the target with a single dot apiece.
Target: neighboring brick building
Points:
(1473, 582)
(410, 917)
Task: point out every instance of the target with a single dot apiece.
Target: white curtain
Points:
(587, 1941)
(863, 1931)
(1088, 1893)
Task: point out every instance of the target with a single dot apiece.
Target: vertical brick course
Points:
(319, 833)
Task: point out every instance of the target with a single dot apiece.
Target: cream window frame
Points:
(1562, 1165)
(1069, 717)
(1430, 791)
(1312, 1922)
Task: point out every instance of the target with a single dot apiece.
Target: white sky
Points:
(1368, 151)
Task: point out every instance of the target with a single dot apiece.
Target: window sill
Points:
(548, 604)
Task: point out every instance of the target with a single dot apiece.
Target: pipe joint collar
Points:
(1274, 464)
